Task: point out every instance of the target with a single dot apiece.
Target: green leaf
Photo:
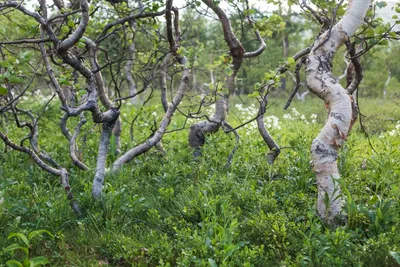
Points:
(39, 232)
(380, 29)
(3, 91)
(14, 79)
(384, 42)
(290, 61)
(15, 246)
(64, 81)
(81, 45)
(212, 263)
(14, 263)
(20, 236)
(395, 255)
(228, 71)
(253, 95)
(38, 261)
(71, 23)
(25, 56)
(381, 4)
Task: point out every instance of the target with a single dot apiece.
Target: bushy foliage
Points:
(175, 210)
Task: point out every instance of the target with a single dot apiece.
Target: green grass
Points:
(174, 210)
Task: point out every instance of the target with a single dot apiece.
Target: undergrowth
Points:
(175, 210)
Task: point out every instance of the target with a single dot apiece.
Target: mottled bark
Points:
(320, 80)
(102, 153)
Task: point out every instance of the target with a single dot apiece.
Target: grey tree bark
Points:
(324, 149)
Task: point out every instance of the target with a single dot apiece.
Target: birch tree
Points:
(340, 104)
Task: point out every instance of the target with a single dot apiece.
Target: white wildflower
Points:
(295, 112)
(287, 116)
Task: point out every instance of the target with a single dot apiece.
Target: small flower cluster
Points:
(272, 122)
(394, 132)
(296, 116)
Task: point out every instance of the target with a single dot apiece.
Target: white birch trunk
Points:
(321, 82)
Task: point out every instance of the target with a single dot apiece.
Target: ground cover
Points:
(174, 210)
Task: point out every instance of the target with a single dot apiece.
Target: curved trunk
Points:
(321, 82)
(198, 130)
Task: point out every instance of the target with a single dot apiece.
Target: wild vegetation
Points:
(176, 210)
(167, 128)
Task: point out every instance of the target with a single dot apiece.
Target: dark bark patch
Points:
(338, 116)
(322, 150)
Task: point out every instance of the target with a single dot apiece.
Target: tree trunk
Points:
(320, 80)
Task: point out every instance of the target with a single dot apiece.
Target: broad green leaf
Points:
(81, 45)
(228, 71)
(3, 91)
(25, 56)
(39, 232)
(395, 255)
(38, 261)
(381, 4)
(14, 79)
(290, 61)
(384, 42)
(20, 236)
(71, 23)
(14, 263)
(15, 247)
(212, 263)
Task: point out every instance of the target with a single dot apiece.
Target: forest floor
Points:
(175, 210)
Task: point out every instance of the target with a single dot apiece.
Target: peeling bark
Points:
(320, 80)
(98, 180)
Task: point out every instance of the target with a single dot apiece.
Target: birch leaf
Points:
(3, 91)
